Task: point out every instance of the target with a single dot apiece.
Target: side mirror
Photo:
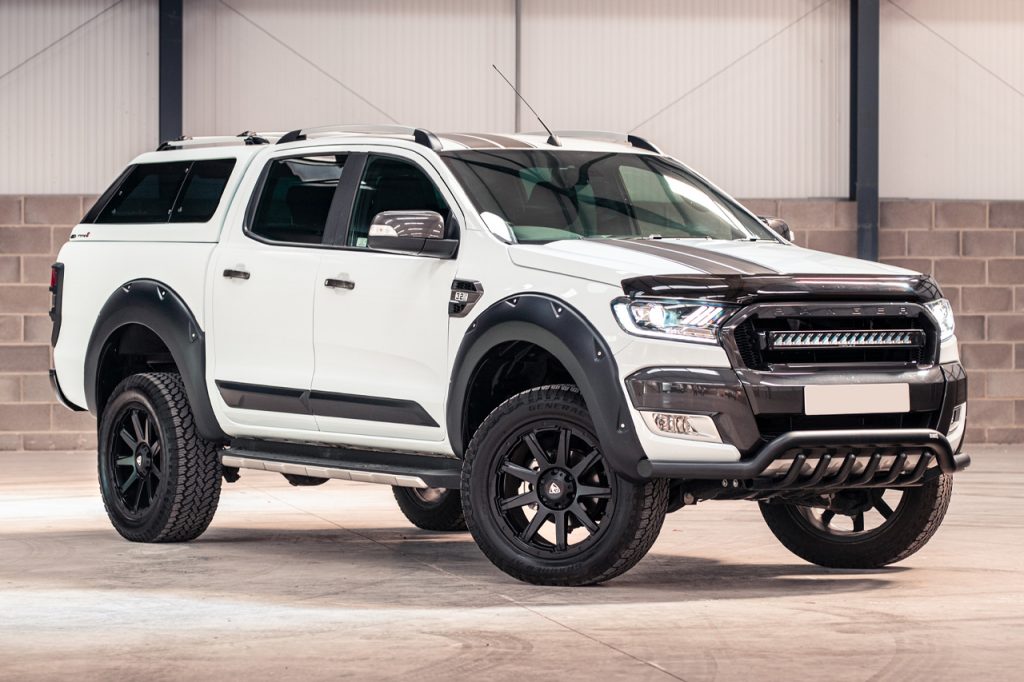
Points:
(417, 233)
(779, 227)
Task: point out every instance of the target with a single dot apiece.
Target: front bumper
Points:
(761, 415)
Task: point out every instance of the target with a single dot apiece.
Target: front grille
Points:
(805, 335)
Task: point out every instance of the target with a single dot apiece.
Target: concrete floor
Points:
(332, 582)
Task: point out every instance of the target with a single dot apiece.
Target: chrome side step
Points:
(322, 471)
(405, 470)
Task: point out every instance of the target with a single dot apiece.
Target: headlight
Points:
(942, 311)
(682, 320)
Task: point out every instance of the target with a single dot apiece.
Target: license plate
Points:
(856, 398)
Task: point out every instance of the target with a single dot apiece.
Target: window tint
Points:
(391, 184)
(296, 198)
(177, 191)
(201, 194)
(147, 195)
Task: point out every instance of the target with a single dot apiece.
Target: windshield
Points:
(548, 195)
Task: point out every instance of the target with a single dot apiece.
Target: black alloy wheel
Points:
(437, 509)
(552, 489)
(136, 458)
(862, 528)
(542, 500)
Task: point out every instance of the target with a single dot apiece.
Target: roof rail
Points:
(245, 138)
(419, 135)
(606, 136)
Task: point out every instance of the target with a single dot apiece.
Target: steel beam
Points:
(170, 80)
(864, 58)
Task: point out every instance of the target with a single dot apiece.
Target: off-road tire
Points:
(912, 525)
(639, 508)
(444, 514)
(186, 497)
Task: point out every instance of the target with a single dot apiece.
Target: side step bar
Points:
(347, 464)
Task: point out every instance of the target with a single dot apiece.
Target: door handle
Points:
(236, 274)
(339, 284)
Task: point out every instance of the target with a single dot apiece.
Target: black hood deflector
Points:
(745, 289)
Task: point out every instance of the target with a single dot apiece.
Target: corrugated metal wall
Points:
(952, 99)
(78, 92)
(753, 93)
(253, 64)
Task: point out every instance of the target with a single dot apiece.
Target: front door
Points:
(381, 319)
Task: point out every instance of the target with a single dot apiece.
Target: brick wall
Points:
(32, 230)
(974, 248)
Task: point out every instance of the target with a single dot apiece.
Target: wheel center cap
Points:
(142, 458)
(556, 488)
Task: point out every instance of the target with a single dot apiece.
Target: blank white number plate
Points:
(856, 398)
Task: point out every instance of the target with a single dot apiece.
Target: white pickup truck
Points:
(550, 340)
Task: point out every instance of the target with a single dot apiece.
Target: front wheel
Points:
(862, 528)
(160, 480)
(541, 500)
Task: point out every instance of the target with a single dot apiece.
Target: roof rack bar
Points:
(607, 136)
(244, 138)
(420, 135)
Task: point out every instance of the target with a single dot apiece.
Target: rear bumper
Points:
(827, 459)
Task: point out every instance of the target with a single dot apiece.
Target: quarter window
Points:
(296, 199)
(176, 191)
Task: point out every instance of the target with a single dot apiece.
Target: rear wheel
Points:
(431, 508)
(862, 528)
(543, 503)
(160, 480)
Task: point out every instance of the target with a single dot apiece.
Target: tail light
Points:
(56, 286)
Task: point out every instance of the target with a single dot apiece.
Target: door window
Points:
(295, 199)
(391, 184)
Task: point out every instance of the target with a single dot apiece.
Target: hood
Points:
(613, 260)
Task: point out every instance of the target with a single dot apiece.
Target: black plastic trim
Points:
(716, 393)
(744, 289)
(323, 404)
(160, 309)
(567, 335)
(63, 399)
(753, 467)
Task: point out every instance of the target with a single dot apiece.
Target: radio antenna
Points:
(552, 138)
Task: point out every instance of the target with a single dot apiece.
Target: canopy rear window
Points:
(171, 192)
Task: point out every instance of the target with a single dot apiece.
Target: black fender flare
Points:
(561, 330)
(160, 309)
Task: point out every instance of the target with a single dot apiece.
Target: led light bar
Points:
(847, 339)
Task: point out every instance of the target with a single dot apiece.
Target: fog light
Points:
(688, 426)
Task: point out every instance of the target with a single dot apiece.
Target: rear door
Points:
(264, 280)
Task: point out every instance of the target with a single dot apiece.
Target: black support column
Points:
(170, 70)
(864, 55)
